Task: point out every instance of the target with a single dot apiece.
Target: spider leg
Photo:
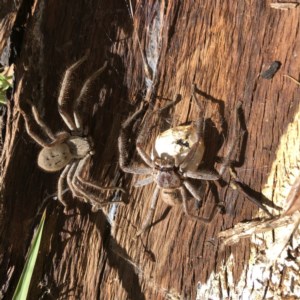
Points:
(139, 145)
(71, 184)
(197, 148)
(91, 198)
(123, 146)
(40, 121)
(148, 221)
(63, 94)
(238, 134)
(227, 162)
(194, 192)
(91, 184)
(31, 132)
(144, 181)
(136, 170)
(188, 214)
(99, 187)
(144, 132)
(235, 184)
(60, 138)
(202, 175)
(83, 93)
(78, 190)
(60, 185)
(177, 99)
(88, 196)
(198, 102)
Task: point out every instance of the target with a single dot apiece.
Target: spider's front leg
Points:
(238, 135)
(83, 95)
(235, 182)
(64, 91)
(123, 145)
(143, 134)
(73, 120)
(48, 132)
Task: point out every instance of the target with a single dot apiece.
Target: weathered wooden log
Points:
(221, 47)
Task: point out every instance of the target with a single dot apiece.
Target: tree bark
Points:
(222, 48)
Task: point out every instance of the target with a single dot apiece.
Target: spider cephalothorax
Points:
(165, 173)
(70, 150)
(174, 163)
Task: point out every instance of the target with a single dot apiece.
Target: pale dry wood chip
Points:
(283, 5)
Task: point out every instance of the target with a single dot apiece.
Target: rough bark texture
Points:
(222, 47)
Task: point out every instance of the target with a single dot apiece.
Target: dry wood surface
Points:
(222, 47)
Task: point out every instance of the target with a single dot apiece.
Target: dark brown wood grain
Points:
(222, 47)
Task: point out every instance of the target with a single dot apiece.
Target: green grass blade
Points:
(5, 82)
(2, 98)
(24, 281)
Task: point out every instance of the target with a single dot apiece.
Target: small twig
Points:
(245, 230)
(292, 78)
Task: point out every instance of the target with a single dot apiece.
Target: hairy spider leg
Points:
(95, 201)
(70, 176)
(238, 134)
(148, 221)
(64, 90)
(227, 162)
(83, 94)
(143, 182)
(78, 190)
(60, 184)
(39, 121)
(123, 146)
(188, 214)
(143, 133)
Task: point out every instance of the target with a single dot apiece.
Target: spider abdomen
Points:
(171, 197)
(177, 142)
(54, 158)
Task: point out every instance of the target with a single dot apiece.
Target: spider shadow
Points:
(221, 109)
(117, 257)
(120, 261)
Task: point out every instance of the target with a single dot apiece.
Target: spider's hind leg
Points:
(60, 186)
(148, 221)
(79, 183)
(207, 220)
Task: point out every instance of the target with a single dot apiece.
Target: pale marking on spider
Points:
(172, 168)
(69, 151)
(177, 142)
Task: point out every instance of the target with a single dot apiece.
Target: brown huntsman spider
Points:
(171, 173)
(70, 150)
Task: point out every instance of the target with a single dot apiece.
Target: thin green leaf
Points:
(25, 279)
(2, 98)
(4, 82)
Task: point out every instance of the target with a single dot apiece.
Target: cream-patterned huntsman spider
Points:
(71, 150)
(173, 171)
